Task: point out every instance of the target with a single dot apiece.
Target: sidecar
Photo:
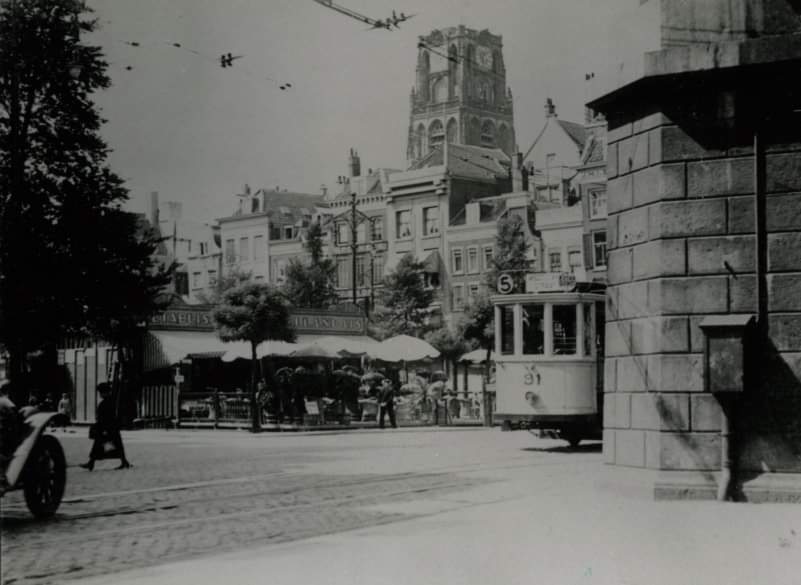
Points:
(38, 466)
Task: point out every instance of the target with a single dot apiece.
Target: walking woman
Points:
(106, 432)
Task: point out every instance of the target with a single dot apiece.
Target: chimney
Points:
(154, 209)
(550, 108)
(324, 191)
(519, 174)
(354, 164)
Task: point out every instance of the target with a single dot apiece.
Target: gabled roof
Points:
(468, 161)
(274, 201)
(577, 132)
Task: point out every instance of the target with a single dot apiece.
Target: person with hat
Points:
(106, 432)
(386, 403)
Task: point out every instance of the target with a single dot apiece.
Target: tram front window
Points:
(564, 329)
(533, 329)
(507, 330)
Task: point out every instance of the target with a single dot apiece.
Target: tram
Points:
(549, 356)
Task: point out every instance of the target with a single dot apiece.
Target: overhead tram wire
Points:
(225, 60)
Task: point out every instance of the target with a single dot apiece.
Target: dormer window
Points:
(284, 210)
(289, 232)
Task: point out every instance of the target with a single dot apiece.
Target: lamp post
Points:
(354, 218)
(372, 276)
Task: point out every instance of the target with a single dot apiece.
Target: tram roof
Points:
(549, 297)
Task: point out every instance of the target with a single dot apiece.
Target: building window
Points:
(378, 229)
(431, 280)
(197, 279)
(378, 269)
(289, 232)
(488, 255)
(430, 221)
(403, 224)
(244, 245)
(457, 293)
(363, 270)
(280, 271)
(343, 233)
(472, 290)
(574, 260)
(212, 278)
(599, 248)
(361, 233)
(230, 252)
(203, 248)
(597, 204)
(457, 261)
(472, 260)
(343, 272)
(555, 261)
(258, 247)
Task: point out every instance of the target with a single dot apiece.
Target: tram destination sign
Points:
(550, 282)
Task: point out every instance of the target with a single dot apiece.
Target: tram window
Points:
(564, 329)
(588, 339)
(507, 330)
(533, 329)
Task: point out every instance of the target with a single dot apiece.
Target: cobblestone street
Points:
(198, 493)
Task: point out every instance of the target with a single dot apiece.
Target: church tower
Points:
(460, 93)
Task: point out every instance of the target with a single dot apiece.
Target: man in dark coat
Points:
(106, 432)
(386, 402)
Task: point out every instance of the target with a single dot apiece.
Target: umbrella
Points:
(403, 348)
(315, 350)
(477, 356)
(241, 350)
(373, 377)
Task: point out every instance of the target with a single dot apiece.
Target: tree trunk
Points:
(254, 402)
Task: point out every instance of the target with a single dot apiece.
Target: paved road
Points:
(196, 493)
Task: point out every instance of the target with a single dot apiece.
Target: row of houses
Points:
(443, 210)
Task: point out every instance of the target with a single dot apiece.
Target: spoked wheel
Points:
(45, 477)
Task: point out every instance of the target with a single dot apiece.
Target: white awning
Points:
(167, 348)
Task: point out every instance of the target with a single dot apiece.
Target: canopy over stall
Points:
(403, 348)
(167, 348)
(477, 356)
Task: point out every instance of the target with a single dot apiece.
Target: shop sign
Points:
(318, 322)
(327, 323)
(550, 282)
(184, 319)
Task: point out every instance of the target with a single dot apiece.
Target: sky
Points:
(180, 124)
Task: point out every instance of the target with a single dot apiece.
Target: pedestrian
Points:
(386, 403)
(106, 432)
(64, 411)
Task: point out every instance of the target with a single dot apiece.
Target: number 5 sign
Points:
(505, 284)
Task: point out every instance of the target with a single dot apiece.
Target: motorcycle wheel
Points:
(45, 477)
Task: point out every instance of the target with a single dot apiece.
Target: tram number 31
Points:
(505, 284)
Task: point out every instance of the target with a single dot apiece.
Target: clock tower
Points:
(460, 93)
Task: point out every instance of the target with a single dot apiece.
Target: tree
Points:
(253, 312)
(406, 300)
(233, 278)
(478, 326)
(451, 345)
(312, 285)
(510, 253)
(67, 250)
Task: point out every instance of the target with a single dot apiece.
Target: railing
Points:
(158, 403)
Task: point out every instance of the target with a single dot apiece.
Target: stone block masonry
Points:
(682, 247)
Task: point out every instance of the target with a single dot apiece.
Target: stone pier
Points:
(696, 130)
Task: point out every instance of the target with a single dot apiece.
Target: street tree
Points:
(67, 250)
(311, 285)
(406, 300)
(253, 312)
(451, 344)
(478, 327)
(510, 252)
(233, 277)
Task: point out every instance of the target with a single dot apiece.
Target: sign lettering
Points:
(550, 282)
